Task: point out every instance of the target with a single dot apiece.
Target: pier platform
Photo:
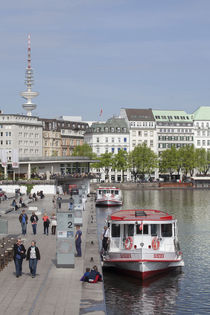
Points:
(54, 290)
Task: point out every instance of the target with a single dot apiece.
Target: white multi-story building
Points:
(23, 133)
(173, 128)
(111, 136)
(201, 120)
(108, 137)
(142, 127)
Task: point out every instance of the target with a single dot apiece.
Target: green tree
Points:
(169, 161)
(144, 160)
(187, 158)
(105, 162)
(83, 150)
(120, 162)
(202, 160)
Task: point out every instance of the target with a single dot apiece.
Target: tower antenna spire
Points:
(29, 95)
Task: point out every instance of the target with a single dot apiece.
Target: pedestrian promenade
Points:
(53, 290)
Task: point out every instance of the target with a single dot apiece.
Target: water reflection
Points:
(186, 293)
(126, 295)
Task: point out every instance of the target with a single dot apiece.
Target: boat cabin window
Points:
(145, 229)
(112, 192)
(130, 229)
(104, 191)
(99, 192)
(116, 192)
(115, 230)
(166, 230)
(154, 229)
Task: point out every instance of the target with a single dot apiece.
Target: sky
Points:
(89, 55)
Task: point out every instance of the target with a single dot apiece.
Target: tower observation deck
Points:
(29, 94)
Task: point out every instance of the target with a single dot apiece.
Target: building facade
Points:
(21, 132)
(142, 127)
(173, 128)
(201, 120)
(109, 137)
(60, 137)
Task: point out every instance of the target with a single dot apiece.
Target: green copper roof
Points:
(172, 115)
(202, 113)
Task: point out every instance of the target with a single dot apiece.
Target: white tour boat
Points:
(108, 196)
(143, 243)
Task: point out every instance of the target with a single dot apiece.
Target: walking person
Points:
(53, 223)
(78, 241)
(19, 255)
(33, 255)
(71, 203)
(54, 202)
(46, 223)
(59, 201)
(34, 219)
(23, 218)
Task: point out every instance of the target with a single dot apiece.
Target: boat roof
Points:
(108, 188)
(140, 215)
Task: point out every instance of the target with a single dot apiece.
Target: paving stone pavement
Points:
(53, 290)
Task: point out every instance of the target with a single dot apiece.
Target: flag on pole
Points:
(101, 112)
(141, 226)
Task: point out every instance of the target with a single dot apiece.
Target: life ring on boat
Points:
(155, 243)
(128, 243)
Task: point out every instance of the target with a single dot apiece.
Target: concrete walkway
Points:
(54, 290)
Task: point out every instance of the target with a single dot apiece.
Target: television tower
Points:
(29, 95)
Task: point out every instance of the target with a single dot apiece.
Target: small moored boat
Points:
(143, 243)
(110, 196)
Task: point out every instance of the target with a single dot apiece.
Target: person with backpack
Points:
(23, 218)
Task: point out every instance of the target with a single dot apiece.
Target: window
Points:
(139, 133)
(115, 230)
(112, 150)
(166, 230)
(125, 139)
(112, 139)
(145, 229)
(198, 142)
(130, 229)
(106, 139)
(154, 229)
(97, 139)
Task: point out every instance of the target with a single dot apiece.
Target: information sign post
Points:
(65, 239)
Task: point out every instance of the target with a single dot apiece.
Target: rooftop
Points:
(140, 215)
(134, 114)
(202, 113)
(172, 115)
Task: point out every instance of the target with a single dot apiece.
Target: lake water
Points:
(186, 292)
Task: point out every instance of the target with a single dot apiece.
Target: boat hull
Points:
(144, 270)
(107, 203)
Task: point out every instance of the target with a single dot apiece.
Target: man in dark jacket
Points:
(23, 218)
(34, 219)
(33, 255)
(19, 255)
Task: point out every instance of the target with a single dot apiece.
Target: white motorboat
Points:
(143, 243)
(108, 196)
